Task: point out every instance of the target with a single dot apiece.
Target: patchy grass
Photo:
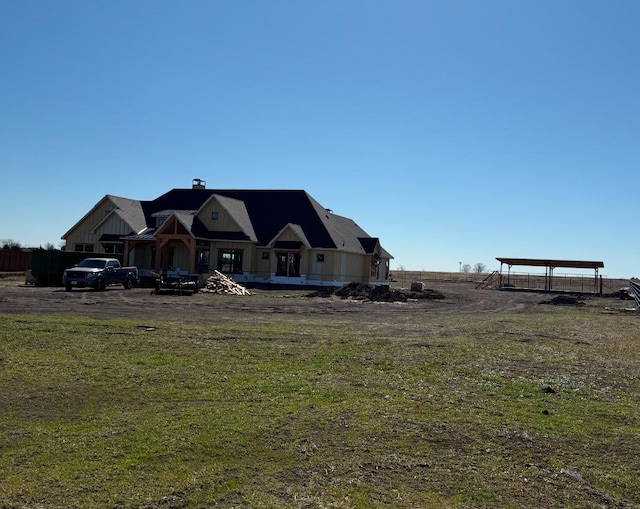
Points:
(539, 410)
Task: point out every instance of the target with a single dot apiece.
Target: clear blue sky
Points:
(456, 131)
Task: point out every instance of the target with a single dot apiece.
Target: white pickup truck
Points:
(98, 273)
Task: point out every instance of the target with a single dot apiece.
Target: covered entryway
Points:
(288, 264)
(176, 246)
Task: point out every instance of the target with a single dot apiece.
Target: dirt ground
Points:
(143, 303)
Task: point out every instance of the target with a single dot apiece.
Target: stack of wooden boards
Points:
(219, 283)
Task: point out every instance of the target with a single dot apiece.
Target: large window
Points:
(112, 248)
(288, 264)
(375, 265)
(202, 260)
(88, 248)
(230, 261)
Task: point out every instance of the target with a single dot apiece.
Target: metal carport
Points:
(549, 266)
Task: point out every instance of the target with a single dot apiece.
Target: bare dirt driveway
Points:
(144, 304)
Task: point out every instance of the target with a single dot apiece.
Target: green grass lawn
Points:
(531, 410)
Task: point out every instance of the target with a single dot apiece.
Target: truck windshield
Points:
(95, 264)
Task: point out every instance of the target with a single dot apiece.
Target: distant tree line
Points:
(478, 268)
(13, 244)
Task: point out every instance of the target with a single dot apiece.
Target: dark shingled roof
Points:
(261, 215)
(130, 211)
(269, 210)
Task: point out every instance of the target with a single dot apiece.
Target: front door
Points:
(202, 260)
(288, 265)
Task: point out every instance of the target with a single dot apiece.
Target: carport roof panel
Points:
(536, 262)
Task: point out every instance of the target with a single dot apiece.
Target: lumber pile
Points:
(219, 283)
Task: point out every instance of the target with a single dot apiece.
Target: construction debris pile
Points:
(564, 300)
(365, 292)
(219, 283)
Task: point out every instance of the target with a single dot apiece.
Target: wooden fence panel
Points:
(14, 260)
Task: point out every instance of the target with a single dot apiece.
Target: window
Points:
(114, 248)
(202, 260)
(87, 248)
(214, 216)
(230, 261)
(265, 255)
(320, 257)
(288, 264)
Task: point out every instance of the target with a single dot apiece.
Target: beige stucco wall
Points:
(288, 236)
(224, 222)
(345, 267)
(141, 256)
(262, 268)
(248, 254)
(337, 266)
(115, 225)
(181, 256)
(321, 271)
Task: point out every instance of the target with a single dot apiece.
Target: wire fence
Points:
(561, 282)
(577, 283)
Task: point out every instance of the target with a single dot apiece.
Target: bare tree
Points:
(9, 244)
(466, 268)
(479, 268)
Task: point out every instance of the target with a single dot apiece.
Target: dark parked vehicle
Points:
(98, 273)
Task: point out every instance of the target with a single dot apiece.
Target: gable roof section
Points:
(200, 231)
(271, 211)
(345, 232)
(238, 211)
(369, 244)
(193, 225)
(297, 230)
(186, 219)
(130, 211)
